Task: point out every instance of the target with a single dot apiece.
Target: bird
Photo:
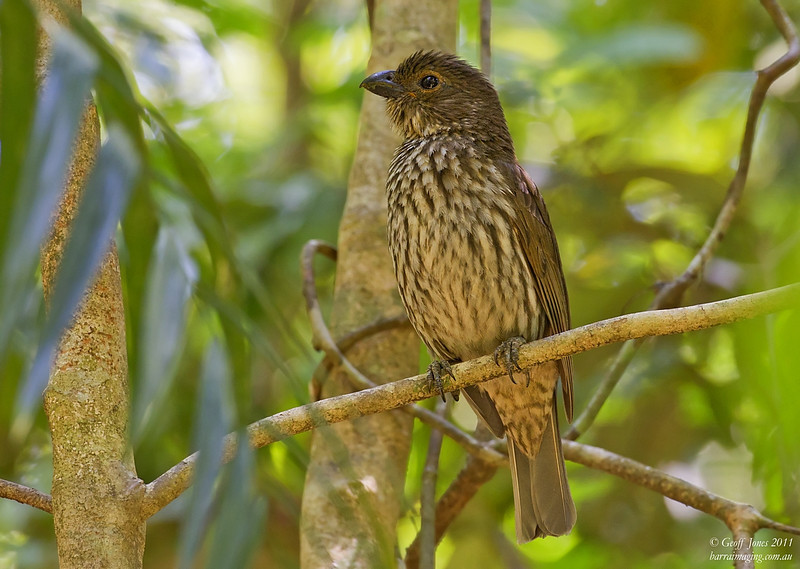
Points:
(478, 267)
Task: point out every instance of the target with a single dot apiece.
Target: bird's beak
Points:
(381, 83)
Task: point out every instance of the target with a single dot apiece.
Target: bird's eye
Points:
(429, 82)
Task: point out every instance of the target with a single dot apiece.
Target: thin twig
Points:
(383, 325)
(348, 341)
(767, 523)
(671, 294)
(427, 498)
(621, 362)
(323, 340)
(393, 395)
(486, 37)
(472, 477)
(310, 250)
(26, 495)
(315, 312)
(739, 517)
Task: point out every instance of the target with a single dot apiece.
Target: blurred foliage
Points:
(627, 114)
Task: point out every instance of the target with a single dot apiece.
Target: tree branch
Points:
(26, 495)
(665, 484)
(472, 477)
(486, 37)
(349, 340)
(96, 494)
(390, 396)
(427, 497)
(671, 294)
(742, 519)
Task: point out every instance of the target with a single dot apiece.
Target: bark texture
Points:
(353, 495)
(96, 495)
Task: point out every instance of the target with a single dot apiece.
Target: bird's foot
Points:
(508, 351)
(436, 371)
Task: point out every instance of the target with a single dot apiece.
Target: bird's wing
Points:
(485, 408)
(541, 249)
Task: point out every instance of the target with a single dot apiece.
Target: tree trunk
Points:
(96, 494)
(353, 495)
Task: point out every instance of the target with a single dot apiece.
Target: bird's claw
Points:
(437, 370)
(509, 352)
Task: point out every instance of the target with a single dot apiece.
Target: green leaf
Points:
(58, 113)
(107, 191)
(212, 423)
(140, 228)
(169, 287)
(17, 98)
(241, 516)
(114, 95)
(206, 209)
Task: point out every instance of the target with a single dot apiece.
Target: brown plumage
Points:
(477, 264)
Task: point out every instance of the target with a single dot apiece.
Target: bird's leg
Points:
(437, 370)
(509, 352)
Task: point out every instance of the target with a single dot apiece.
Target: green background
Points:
(628, 115)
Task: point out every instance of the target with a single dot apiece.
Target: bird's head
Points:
(434, 93)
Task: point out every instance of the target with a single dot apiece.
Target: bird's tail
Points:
(542, 500)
